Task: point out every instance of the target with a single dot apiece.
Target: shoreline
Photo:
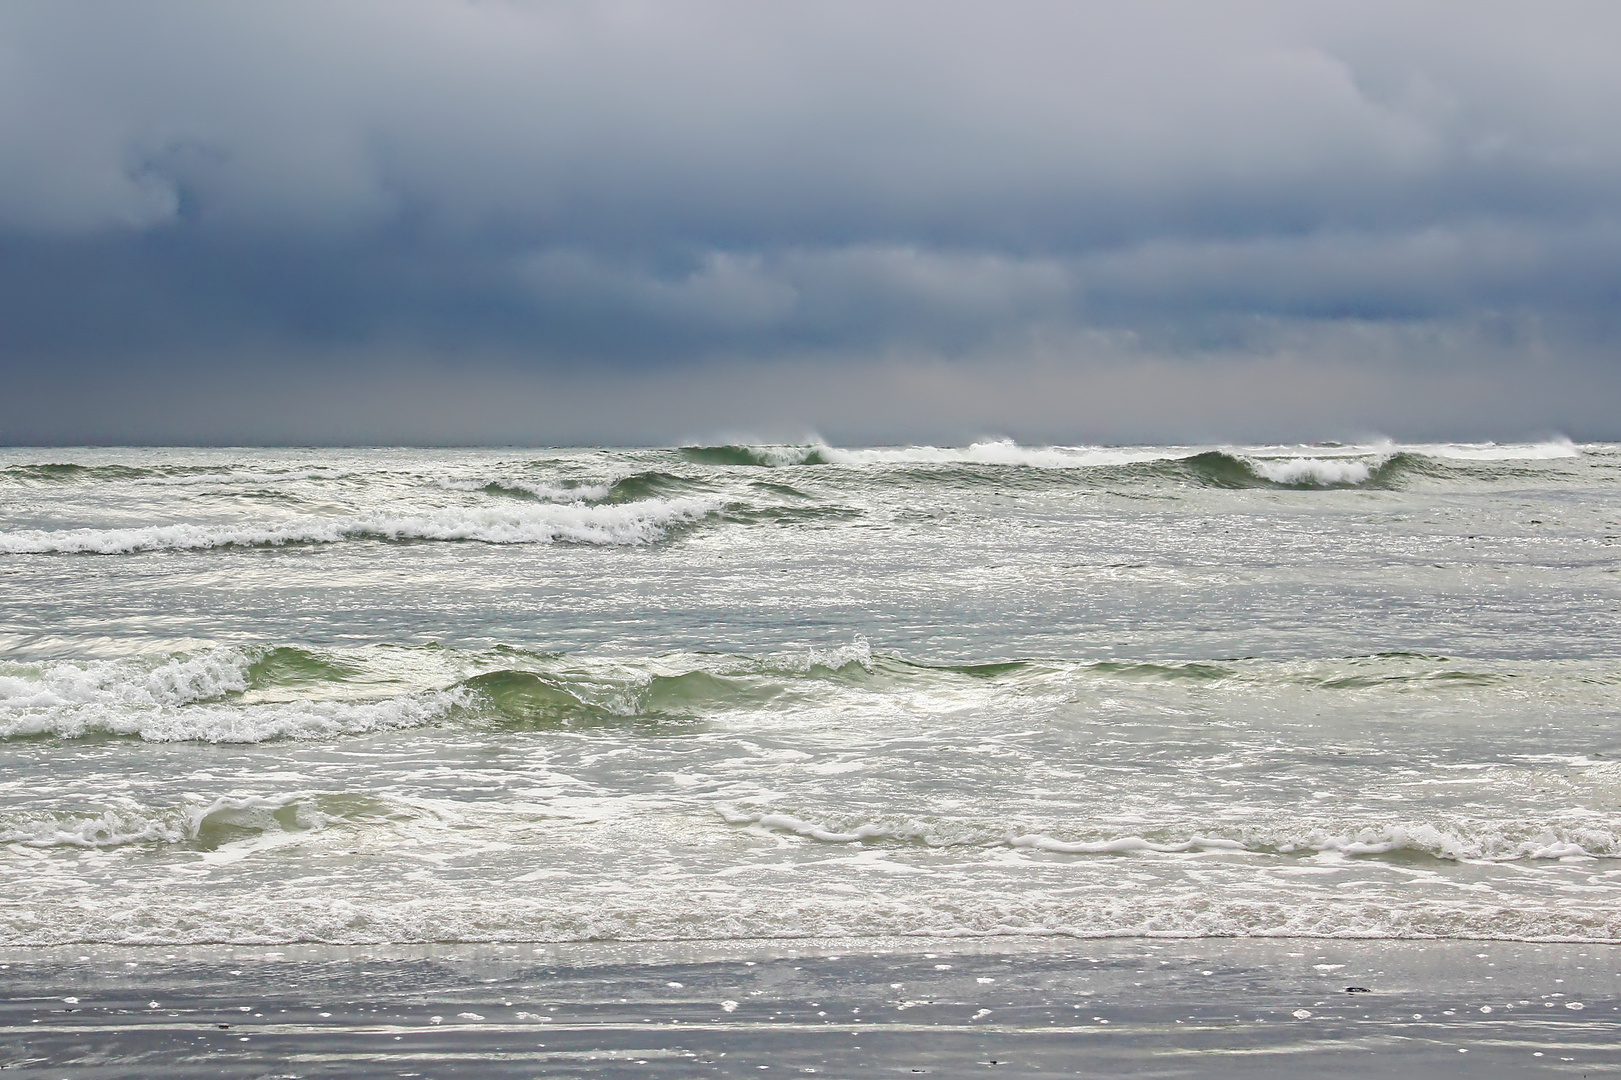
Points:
(947, 1007)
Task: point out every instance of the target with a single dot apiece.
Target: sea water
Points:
(767, 692)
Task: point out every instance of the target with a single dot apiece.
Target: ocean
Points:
(810, 693)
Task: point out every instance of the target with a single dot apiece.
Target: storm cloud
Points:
(638, 221)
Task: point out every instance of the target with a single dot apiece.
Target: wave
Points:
(1543, 451)
(528, 490)
(650, 485)
(168, 682)
(987, 452)
(764, 456)
(52, 471)
(1219, 468)
(167, 475)
(1483, 842)
(257, 694)
(1001, 452)
(212, 674)
(529, 700)
(1375, 465)
(637, 487)
(287, 666)
(629, 524)
(251, 694)
(200, 698)
(236, 723)
(789, 515)
(197, 825)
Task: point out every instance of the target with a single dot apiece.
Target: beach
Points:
(853, 1008)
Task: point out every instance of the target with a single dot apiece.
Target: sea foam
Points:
(1494, 842)
(188, 824)
(1315, 471)
(998, 452)
(188, 698)
(636, 523)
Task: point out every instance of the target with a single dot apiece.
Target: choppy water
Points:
(749, 692)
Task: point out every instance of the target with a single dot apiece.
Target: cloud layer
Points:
(555, 199)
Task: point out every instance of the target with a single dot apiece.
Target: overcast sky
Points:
(438, 221)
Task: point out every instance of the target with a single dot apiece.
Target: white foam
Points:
(1349, 465)
(1543, 451)
(799, 826)
(184, 698)
(1122, 844)
(789, 455)
(170, 682)
(933, 835)
(117, 828)
(1000, 452)
(105, 830)
(1321, 471)
(1487, 843)
(230, 723)
(643, 522)
(858, 652)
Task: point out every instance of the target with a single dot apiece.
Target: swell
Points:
(761, 456)
(530, 700)
(196, 825)
(288, 692)
(1220, 469)
(652, 484)
(627, 524)
(637, 487)
(993, 461)
(1480, 841)
(74, 472)
(60, 472)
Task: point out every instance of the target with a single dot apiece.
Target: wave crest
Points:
(201, 826)
(1480, 842)
(764, 456)
(1341, 466)
(629, 524)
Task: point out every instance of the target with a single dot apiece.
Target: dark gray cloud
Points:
(970, 209)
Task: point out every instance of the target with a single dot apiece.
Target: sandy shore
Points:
(857, 1008)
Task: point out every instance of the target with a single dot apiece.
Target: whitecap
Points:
(628, 524)
(1319, 471)
(999, 452)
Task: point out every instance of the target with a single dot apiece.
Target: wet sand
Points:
(1208, 1008)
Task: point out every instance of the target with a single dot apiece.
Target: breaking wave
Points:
(1543, 451)
(252, 694)
(763, 456)
(987, 452)
(248, 695)
(234, 723)
(164, 475)
(1218, 468)
(1482, 842)
(198, 698)
(198, 825)
(1347, 466)
(645, 522)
